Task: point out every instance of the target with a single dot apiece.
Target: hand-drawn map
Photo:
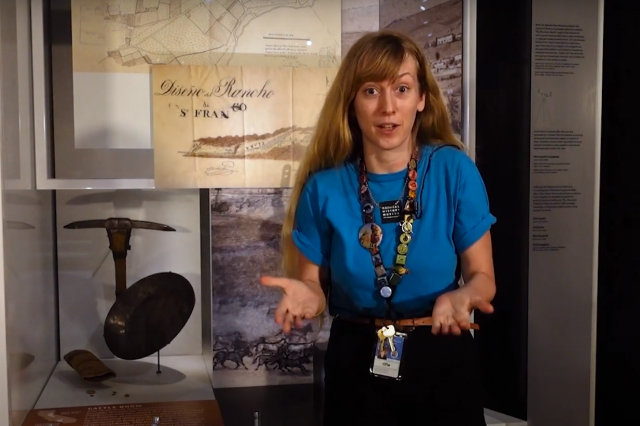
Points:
(233, 127)
(114, 43)
(129, 35)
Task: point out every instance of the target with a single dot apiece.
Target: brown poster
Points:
(181, 413)
(221, 127)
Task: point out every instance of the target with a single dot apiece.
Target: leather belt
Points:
(409, 322)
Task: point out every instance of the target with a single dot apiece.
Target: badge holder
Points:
(388, 353)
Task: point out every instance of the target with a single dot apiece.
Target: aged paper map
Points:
(129, 35)
(114, 43)
(230, 126)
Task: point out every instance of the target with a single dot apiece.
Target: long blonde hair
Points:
(337, 137)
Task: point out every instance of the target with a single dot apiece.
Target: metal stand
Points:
(158, 371)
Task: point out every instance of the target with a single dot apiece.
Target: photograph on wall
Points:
(114, 42)
(358, 18)
(436, 25)
(233, 127)
(249, 348)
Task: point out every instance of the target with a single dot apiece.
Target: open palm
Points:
(299, 301)
(452, 311)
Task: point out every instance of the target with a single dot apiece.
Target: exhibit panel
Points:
(566, 88)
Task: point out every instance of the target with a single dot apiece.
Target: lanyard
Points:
(370, 234)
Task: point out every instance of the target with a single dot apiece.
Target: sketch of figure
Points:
(542, 114)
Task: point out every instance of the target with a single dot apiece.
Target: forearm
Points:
(480, 284)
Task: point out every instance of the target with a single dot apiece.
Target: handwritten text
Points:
(227, 86)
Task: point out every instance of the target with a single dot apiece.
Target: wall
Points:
(617, 351)
(86, 268)
(27, 285)
(565, 167)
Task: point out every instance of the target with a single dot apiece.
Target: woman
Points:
(387, 212)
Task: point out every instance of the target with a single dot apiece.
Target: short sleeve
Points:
(310, 232)
(472, 215)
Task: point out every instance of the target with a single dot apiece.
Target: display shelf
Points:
(493, 418)
(183, 378)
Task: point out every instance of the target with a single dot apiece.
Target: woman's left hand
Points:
(452, 311)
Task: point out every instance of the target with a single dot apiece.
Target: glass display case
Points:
(130, 300)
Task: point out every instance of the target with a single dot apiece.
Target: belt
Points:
(409, 322)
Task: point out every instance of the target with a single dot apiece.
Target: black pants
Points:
(440, 384)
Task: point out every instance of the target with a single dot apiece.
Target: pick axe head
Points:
(119, 234)
(118, 223)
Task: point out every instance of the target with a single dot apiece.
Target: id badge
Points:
(387, 355)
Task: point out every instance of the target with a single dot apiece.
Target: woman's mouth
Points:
(387, 128)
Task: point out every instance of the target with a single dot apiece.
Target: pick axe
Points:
(119, 233)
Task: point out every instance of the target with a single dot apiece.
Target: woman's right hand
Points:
(300, 301)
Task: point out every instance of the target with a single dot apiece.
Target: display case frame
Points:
(37, 136)
(22, 176)
(42, 116)
(469, 13)
(44, 143)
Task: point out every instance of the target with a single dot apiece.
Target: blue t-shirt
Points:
(454, 215)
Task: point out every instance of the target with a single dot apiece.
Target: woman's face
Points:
(387, 110)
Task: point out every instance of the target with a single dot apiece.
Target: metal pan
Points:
(148, 315)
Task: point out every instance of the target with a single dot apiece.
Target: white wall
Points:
(27, 283)
(87, 272)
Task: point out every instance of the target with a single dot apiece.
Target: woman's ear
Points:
(423, 102)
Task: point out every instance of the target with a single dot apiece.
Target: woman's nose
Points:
(387, 103)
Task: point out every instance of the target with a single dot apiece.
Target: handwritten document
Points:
(114, 43)
(233, 126)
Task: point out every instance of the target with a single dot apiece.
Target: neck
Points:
(387, 161)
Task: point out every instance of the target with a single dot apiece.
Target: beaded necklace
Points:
(370, 234)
